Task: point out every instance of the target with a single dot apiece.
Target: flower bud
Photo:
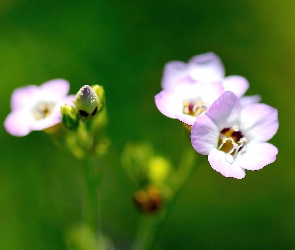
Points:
(99, 90)
(69, 117)
(148, 200)
(87, 102)
(158, 169)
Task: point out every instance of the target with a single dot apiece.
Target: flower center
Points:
(194, 107)
(231, 140)
(42, 110)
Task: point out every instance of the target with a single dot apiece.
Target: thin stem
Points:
(146, 233)
(92, 204)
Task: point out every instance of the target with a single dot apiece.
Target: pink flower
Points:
(188, 101)
(37, 107)
(205, 68)
(189, 89)
(235, 138)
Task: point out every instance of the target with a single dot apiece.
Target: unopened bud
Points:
(87, 102)
(99, 90)
(159, 169)
(149, 200)
(69, 117)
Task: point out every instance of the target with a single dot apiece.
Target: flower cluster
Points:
(231, 129)
(151, 173)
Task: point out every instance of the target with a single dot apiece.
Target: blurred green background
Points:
(123, 45)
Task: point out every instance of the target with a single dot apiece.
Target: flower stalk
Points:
(92, 180)
(150, 225)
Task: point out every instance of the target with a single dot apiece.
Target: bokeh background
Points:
(123, 45)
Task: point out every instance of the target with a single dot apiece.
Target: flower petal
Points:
(204, 135)
(68, 100)
(247, 100)
(175, 72)
(259, 122)
(187, 119)
(224, 164)
(236, 84)
(258, 156)
(17, 122)
(57, 88)
(47, 122)
(23, 96)
(166, 102)
(225, 111)
(206, 68)
(210, 92)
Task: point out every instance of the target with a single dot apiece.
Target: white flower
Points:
(37, 107)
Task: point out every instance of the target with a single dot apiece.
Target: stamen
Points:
(42, 110)
(236, 128)
(231, 140)
(195, 107)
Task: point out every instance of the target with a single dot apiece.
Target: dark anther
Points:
(94, 111)
(83, 113)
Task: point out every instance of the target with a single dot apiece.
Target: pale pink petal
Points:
(204, 135)
(187, 91)
(225, 111)
(236, 84)
(18, 121)
(167, 103)
(207, 92)
(47, 122)
(22, 97)
(57, 88)
(175, 72)
(69, 100)
(206, 68)
(225, 164)
(247, 100)
(211, 91)
(257, 156)
(259, 122)
(187, 119)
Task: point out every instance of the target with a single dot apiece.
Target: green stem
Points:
(92, 204)
(146, 233)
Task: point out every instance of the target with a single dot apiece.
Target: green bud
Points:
(69, 117)
(87, 102)
(99, 90)
(158, 169)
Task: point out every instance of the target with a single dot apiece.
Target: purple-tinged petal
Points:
(175, 72)
(166, 103)
(224, 164)
(69, 100)
(207, 92)
(18, 121)
(247, 100)
(211, 91)
(204, 135)
(258, 156)
(225, 111)
(236, 84)
(206, 68)
(22, 97)
(47, 122)
(187, 119)
(57, 88)
(259, 122)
